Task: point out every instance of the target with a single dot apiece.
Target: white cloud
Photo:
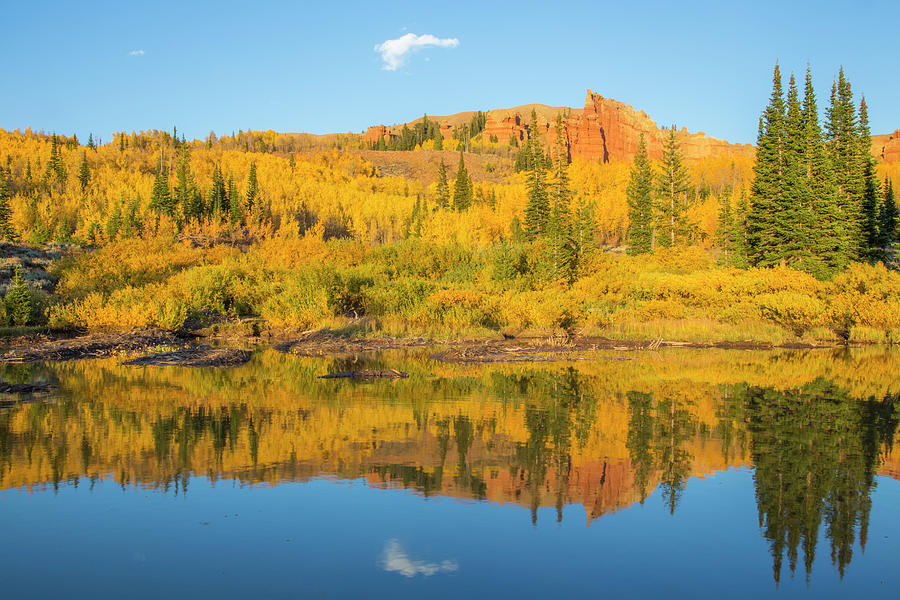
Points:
(396, 560)
(395, 52)
(136, 53)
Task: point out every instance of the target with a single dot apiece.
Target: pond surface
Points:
(683, 473)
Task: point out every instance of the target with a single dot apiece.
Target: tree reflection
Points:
(600, 434)
(816, 451)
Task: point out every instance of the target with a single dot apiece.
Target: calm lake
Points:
(678, 473)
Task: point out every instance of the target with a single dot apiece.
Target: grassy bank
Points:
(417, 288)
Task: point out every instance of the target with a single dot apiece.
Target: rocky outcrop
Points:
(375, 133)
(887, 147)
(610, 130)
(503, 125)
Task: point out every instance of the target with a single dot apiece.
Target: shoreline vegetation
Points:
(253, 237)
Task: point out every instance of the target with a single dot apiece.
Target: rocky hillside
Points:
(605, 130)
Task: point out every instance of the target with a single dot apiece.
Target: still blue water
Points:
(102, 501)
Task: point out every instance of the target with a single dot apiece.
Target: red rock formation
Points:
(610, 130)
(505, 125)
(375, 133)
(887, 147)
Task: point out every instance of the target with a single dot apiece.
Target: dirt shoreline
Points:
(160, 347)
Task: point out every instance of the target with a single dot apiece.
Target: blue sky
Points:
(293, 66)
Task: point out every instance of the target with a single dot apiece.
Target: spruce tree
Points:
(161, 199)
(764, 243)
(639, 195)
(887, 216)
(438, 138)
(560, 190)
(842, 136)
(217, 204)
(235, 214)
(18, 301)
(871, 197)
(56, 169)
(537, 211)
(84, 173)
(252, 187)
(462, 187)
(561, 251)
(793, 222)
(739, 244)
(826, 240)
(6, 228)
(672, 194)
(114, 222)
(443, 186)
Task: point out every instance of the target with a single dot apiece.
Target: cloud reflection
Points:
(396, 560)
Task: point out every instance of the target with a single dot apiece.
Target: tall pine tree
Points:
(462, 187)
(887, 217)
(826, 253)
(639, 195)
(842, 142)
(768, 182)
(6, 228)
(252, 187)
(672, 187)
(537, 211)
(871, 189)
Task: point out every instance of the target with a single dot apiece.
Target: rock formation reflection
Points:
(605, 434)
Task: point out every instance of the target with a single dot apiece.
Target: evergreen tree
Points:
(672, 190)
(234, 201)
(84, 173)
(217, 203)
(187, 194)
(768, 182)
(825, 247)
(6, 228)
(639, 195)
(871, 198)
(18, 301)
(443, 186)
(252, 187)
(91, 143)
(438, 138)
(561, 251)
(793, 221)
(56, 170)
(560, 190)
(292, 162)
(462, 187)
(739, 245)
(161, 199)
(114, 222)
(887, 216)
(537, 211)
(842, 136)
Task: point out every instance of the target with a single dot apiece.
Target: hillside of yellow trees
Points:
(162, 232)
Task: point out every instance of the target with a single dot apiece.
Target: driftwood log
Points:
(367, 374)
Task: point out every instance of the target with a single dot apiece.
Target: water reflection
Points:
(396, 560)
(817, 427)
